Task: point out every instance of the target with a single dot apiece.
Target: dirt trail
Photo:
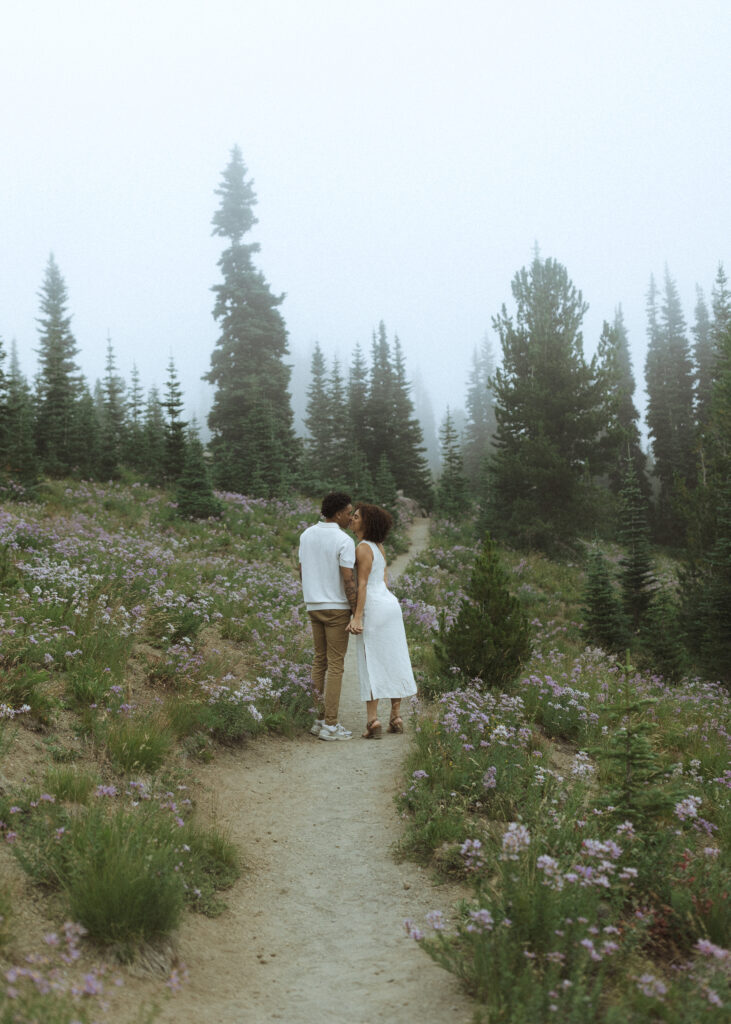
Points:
(314, 931)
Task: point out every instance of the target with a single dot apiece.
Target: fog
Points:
(407, 156)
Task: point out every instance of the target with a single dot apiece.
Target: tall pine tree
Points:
(19, 457)
(175, 437)
(58, 383)
(670, 421)
(480, 423)
(452, 496)
(253, 443)
(319, 424)
(112, 416)
(620, 438)
(407, 457)
(547, 410)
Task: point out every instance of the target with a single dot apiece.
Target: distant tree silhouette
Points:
(253, 442)
(58, 382)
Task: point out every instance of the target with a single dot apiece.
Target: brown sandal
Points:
(396, 724)
(373, 730)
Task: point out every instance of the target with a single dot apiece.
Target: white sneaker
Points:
(334, 732)
(316, 726)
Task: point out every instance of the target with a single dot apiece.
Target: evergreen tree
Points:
(384, 485)
(603, 623)
(133, 427)
(620, 438)
(341, 440)
(636, 575)
(547, 410)
(480, 424)
(175, 443)
(661, 648)
(378, 439)
(253, 443)
(721, 309)
(635, 787)
(452, 497)
(668, 375)
(704, 357)
(19, 455)
(424, 412)
(357, 397)
(715, 650)
(407, 456)
(706, 582)
(359, 475)
(194, 495)
(153, 452)
(112, 419)
(58, 384)
(491, 638)
(83, 436)
(319, 424)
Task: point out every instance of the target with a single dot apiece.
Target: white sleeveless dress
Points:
(384, 666)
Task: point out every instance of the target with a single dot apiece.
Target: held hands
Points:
(354, 626)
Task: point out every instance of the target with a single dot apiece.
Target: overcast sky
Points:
(406, 154)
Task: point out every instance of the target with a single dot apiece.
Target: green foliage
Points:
(490, 637)
(634, 782)
(254, 446)
(212, 865)
(619, 441)
(603, 623)
(194, 494)
(137, 744)
(175, 439)
(24, 684)
(452, 497)
(660, 647)
(636, 575)
(548, 413)
(670, 417)
(69, 783)
(480, 424)
(57, 384)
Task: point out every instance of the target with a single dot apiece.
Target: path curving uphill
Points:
(314, 929)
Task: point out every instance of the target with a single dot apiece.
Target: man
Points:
(327, 558)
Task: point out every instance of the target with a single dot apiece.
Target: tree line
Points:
(548, 452)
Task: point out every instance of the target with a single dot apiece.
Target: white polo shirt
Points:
(324, 548)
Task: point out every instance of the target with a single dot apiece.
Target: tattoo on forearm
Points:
(350, 592)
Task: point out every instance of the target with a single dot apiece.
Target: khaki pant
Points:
(330, 643)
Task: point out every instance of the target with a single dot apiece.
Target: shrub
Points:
(491, 636)
(603, 621)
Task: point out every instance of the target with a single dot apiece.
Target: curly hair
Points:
(333, 503)
(377, 522)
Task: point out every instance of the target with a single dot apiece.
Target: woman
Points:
(384, 667)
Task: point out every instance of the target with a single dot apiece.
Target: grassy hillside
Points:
(132, 645)
(587, 808)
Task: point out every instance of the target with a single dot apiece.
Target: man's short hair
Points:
(376, 521)
(333, 503)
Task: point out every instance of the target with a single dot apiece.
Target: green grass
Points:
(137, 745)
(67, 782)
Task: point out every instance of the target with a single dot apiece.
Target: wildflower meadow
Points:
(133, 644)
(586, 810)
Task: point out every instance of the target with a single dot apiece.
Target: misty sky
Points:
(406, 154)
